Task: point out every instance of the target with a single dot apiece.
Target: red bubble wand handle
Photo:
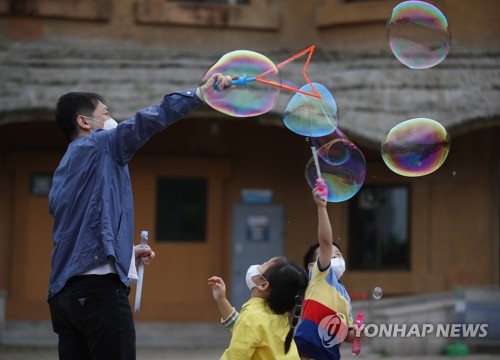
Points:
(358, 325)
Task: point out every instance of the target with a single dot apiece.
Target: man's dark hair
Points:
(72, 104)
(310, 255)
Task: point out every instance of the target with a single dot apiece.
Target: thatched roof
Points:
(373, 91)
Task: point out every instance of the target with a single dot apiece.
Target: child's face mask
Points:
(251, 272)
(338, 266)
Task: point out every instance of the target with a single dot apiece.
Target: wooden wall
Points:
(261, 24)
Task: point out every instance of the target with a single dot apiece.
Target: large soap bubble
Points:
(336, 152)
(311, 116)
(416, 147)
(418, 34)
(344, 180)
(253, 99)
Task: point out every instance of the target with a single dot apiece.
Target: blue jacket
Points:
(91, 195)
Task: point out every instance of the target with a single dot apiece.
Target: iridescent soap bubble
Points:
(377, 293)
(418, 34)
(416, 147)
(333, 149)
(310, 116)
(344, 180)
(336, 152)
(254, 98)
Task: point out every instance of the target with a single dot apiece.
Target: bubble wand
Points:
(358, 326)
(320, 182)
(140, 273)
(316, 161)
(244, 80)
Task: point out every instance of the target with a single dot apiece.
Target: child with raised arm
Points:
(327, 316)
(262, 329)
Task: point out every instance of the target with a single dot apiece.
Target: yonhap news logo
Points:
(332, 330)
(423, 330)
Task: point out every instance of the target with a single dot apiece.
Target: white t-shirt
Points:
(110, 268)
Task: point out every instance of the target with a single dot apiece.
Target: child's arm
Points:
(325, 235)
(219, 293)
(227, 311)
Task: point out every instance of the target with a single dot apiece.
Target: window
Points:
(379, 229)
(235, 14)
(94, 10)
(348, 12)
(40, 184)
(181, 209)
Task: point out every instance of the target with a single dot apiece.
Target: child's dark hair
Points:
(311, 256)
(287, 284)
(70, 106)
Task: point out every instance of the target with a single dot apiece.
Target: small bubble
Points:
(377, 293)
(307, 139)
(454, 173)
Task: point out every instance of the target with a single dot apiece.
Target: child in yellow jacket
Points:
(262, 329)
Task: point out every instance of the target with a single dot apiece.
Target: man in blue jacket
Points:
(94, 258)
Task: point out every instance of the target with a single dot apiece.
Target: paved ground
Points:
(25, 352)
(160, 341)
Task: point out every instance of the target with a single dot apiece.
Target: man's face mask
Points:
(110, 124)
(107, 124)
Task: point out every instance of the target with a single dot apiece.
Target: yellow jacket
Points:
(259, 334)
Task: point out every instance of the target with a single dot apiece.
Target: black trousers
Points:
(93, 318)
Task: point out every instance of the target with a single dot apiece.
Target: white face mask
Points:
(110, 124)
(107, 124)
(338, 266)
(251, 272)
